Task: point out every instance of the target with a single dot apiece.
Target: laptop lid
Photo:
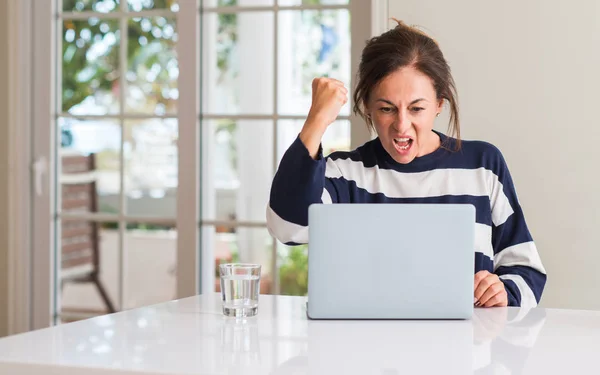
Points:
(391, 261)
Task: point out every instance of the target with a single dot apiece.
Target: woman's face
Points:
(403, 108)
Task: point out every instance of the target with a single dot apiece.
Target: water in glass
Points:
(239, 291)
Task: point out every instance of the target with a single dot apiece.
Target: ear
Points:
(440, 106)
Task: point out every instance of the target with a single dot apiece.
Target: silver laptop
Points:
(391, 261)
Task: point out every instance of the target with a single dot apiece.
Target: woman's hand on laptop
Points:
(489, 290)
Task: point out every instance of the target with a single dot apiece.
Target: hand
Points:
(489, 290)
(328, 97)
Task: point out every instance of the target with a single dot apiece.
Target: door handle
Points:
(40, 168)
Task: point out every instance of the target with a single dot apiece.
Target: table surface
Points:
(191, 336)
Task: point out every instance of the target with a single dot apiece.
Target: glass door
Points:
(115, 155)
(259, 58)
(157, 128)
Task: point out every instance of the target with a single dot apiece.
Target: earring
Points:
(438, 115)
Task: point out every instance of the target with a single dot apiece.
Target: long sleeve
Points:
(299, 182)
(516, 259)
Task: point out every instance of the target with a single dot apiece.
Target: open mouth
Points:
(403, 144)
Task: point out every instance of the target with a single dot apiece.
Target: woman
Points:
(403, 82)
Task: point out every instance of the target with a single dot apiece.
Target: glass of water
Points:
(240, 286)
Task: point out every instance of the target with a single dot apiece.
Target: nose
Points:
(403, 123)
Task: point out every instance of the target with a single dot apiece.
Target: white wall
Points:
(528, 77)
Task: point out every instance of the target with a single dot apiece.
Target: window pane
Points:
(90, 178)
(151, 167)
(80, 242)
(293, 269)
(312, 2)
(311, 44)
(100, 6)
(140, 5)
(239, 169)
(336, 138)
(238, 63)
(247, 245)
(152, 67)
(151, 253)
(90, 67)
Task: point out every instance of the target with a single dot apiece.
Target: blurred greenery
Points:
(90, 52)
(293, 272)
(103, 6)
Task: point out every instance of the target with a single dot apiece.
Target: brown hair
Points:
(400, 47)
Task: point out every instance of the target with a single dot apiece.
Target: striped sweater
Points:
(477, 175)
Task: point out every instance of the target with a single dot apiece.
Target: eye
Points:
(417, 109)
(386, 109)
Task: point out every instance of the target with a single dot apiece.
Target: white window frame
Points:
(188, 193)
(43, 97)
(191, 264)
(17, 121)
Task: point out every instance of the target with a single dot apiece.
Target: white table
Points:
(190, 336)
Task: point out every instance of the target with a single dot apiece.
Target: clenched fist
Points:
(328, 97)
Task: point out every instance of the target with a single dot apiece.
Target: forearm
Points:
(311, 136)
(298, 183)
(524, 285)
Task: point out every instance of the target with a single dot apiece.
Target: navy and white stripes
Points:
(477, 175)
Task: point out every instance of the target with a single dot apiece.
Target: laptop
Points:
(391, 261)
